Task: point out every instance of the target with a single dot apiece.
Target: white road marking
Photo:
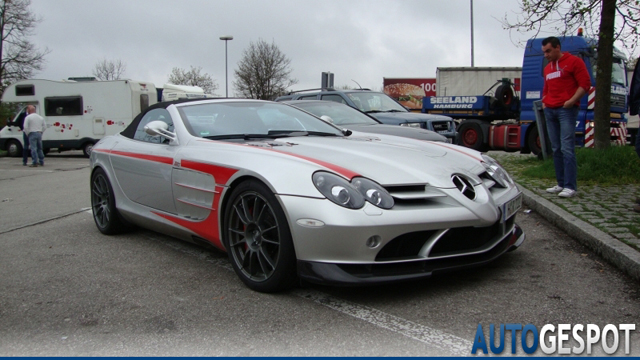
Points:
(441, 340)
(436, 338)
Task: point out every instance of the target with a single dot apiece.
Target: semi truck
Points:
(502, 117)
(77, 113)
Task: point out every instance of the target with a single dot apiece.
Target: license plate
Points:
(511, 207)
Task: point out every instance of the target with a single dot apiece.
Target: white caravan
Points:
(174, 92)
(77, 113)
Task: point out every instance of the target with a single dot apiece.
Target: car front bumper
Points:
(379, 273)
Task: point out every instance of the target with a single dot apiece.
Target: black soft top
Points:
(131, 129)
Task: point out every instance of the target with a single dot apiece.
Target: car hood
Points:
(413, 133)
(388, 160)
(408, 117)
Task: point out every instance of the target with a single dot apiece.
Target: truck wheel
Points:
(533, 141)
(14, 149)
(504, 94)
(470, 135)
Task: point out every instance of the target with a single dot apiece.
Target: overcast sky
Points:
(361, 40)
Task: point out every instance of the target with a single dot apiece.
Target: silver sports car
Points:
(289, 196)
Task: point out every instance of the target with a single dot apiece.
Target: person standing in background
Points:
(34, 126)
(566, 80)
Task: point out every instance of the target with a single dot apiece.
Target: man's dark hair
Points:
(554, 41)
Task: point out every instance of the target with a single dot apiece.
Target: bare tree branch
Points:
(20, 59)
(109, 69)
(193, 77)
(263, 72)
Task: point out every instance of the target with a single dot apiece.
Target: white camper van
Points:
(78, 113)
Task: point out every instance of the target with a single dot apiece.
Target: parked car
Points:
(382, 107)
(290, 196)
(345, 116)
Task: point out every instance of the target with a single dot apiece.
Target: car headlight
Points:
(414, 125)
(352, 194)
(496, 171)
(338, 190)
(373, 192)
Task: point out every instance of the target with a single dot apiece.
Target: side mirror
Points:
(161, 128)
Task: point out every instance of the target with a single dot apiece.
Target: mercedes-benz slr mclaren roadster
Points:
(290, 197)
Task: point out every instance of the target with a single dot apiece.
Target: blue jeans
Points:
(35, 142)
(561, 126)
(25, 148)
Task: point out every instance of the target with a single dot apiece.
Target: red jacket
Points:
(562, 79)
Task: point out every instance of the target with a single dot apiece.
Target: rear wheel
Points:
(103, 205)
(470, 135)
(87, 148)
(258, 240)
(14, 148)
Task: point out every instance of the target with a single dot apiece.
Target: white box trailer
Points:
(461, 81)
(77, 113)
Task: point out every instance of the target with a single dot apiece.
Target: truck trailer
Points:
(502, 117)
(77, 113)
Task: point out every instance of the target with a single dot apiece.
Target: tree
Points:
(599, 20)
(109, 69)
(263, 72)
(20, 59)
(193, 77)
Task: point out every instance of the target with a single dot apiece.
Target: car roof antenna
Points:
(357, 83)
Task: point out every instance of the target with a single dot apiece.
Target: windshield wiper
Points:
(273, 134)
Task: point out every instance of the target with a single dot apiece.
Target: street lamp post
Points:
(226, 72)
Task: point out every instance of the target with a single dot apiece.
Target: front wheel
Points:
(258, 240)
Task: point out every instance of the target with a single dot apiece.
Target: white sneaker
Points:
(554, 190)
(567, 193)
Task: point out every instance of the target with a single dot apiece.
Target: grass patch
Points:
(617, 165)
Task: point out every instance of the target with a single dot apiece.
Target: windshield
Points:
(375, 102)
(618, 74)
(252, 120)
(339, 114)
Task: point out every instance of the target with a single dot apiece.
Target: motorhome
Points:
(77, 113)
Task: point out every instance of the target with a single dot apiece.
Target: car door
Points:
(143, 165)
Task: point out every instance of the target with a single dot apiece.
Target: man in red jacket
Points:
(566, 80)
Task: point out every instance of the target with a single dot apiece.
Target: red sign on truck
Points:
(409, 92)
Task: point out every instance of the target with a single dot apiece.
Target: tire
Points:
(103, 205)
(258, 240)
(471, 136)
(87, 148)
(14, 148)
(46, 151)
(504, 94)
(533, 141)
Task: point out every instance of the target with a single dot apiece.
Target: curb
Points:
(612, 250)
